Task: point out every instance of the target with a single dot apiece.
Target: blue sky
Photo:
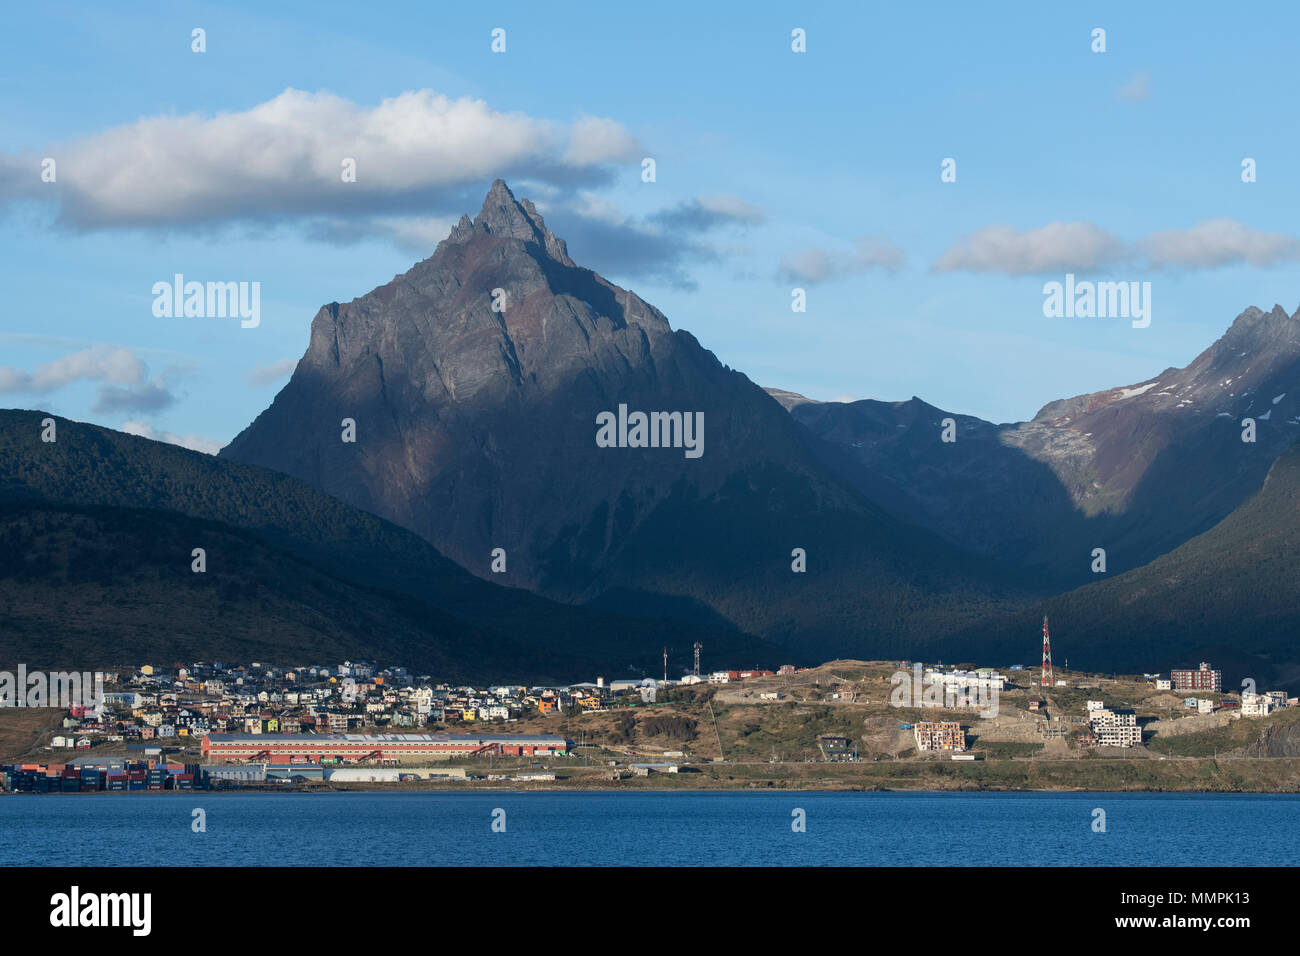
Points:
(819, 170)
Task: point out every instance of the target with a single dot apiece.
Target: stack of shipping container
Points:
(117, 776)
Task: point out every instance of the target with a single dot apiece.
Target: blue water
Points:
(679, 829)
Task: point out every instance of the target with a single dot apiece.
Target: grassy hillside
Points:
(98, 528)
(1230, 596)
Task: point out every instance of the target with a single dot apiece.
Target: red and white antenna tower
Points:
(1048, 679)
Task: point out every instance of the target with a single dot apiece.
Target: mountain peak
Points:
(502, 214)
(1253, 315)
(506, 217)
(1256, 329)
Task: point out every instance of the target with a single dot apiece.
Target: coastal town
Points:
(220, 725)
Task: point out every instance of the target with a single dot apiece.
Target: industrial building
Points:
(236, 776)
(365, 775)
(376, 748)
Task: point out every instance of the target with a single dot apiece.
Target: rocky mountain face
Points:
(476, 382)
(1135, 470)
(978, 492)
(476, 428)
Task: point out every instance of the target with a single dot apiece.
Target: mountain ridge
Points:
(1136, 470)
(297, 538)
(476, 429)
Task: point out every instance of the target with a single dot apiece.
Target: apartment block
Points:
(1114, 728)
(1203, 678)
(939, 735)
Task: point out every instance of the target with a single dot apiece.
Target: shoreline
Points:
(1193, 775)
(514, 791)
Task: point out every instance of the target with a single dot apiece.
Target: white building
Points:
(1257, 705)
(969, 681)
(1114, 728)
(365, 775)
(964, 688)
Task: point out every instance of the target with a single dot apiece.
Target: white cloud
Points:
(111, 364)
(809, 265)
(418, 235)
(1220, 242)
(123, 377)
(268, 374)
(815, 264)
(1079, 246)
(594, 140)
(414, 233)
(192, 442)
(1056, 247)
(597, 208)
(732, 207)
(1136, 89)
(282, 160)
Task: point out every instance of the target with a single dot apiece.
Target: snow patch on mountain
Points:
(1139, 390)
